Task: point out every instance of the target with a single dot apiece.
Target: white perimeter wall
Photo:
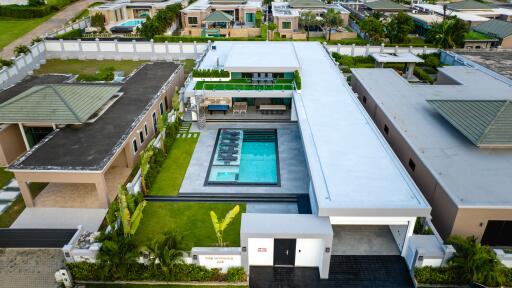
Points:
(260, 251)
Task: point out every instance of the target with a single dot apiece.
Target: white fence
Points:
(81, 24)
(353, 50)
(122, 50)
(23, 65)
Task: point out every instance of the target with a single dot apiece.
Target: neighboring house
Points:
(82, 139)
(286, 15)
(455, 140)
(221, 18)
(13, 2)
(477, 40)
(362, 203)
(386, 7)
(498, 29)
(123, 13)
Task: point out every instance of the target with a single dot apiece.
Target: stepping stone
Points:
(189, 135)
(15, 189)
(4, 207)
(8, 196)
(13, 183)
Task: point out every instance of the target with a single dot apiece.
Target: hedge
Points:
(298, 81)
(210, 73)
(28, 12)
(84, 271)
(105, 74)
(163, 38)
(73, 34)
(422, 75)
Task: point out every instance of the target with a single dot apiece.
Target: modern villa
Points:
(454, 139)
(81, 139)
(285, 122)
(215, 18)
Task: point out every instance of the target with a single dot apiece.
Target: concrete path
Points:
(57, 21)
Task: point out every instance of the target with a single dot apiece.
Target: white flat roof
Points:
(396, 58)
(271, 57)
(354, 172)
(90, 219)
(204, 4)
(466, 16)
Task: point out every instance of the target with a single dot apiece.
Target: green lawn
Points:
(244, 84)
(5, 176)
(189, 218)
(159, 286)
(86, 66)
(168, 181)
(12, 29)
(8, 217)
(473, 35)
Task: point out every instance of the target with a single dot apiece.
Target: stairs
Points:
(260, 135)
(187, 115)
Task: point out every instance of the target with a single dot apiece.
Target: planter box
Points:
(210, 79)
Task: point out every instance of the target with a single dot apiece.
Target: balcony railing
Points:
(240, 86)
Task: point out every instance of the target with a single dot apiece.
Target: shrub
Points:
(210, 73)
(6, 63)
(298, 81)
(73, 34)
(36, 3)
(236, 274)
(432, 60)
(98, 20)
(442, 275)
(36, 40)
(353, 61)
(162, 20)
(26, 12)
(21, 49)
(259, 17)
(422, 75)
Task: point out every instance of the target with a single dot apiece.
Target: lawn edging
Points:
(190, 283)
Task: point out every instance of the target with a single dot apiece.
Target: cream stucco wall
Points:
(11, 144)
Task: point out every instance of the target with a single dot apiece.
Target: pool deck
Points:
(292, 162)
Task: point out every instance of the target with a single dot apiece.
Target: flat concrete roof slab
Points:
(63, 218)
(292, 163)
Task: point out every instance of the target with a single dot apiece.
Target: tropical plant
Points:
(332, 19)
(372, 28)
(21, 49)
(145, 159)
(162, 123)
(6, 63)
(162, 20)
(116, 255)
(98, 21)
(307, 20)
(271, 27)
(130, 212)
(398, 27)
(35, 40)
(210, 73)
(475, 262)
(447, 34)
(219, 227)
(166, 250)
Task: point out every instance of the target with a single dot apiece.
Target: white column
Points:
(24, 136)
(410, 230)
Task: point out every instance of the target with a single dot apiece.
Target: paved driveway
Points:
(54, 23)
(346, 271)
(29, 267)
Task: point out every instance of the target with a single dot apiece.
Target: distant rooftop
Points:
(306, 4)
(472, 176)
(219, 16)
(468, 5)
(495, 28)
(385, 5)
(56, 104)
(89, 147)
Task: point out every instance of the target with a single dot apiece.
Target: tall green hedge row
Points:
(28, 12)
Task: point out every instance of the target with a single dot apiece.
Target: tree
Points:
(162, 20)
(145, 159)
(307, 19)
(162, 123)
(271, 27)
(98, 20)
(448, 34)
(373, 29)
(398, 27)
(332, 19)
(129, 212)
(219, 227)
(476, 263)
(116, 254)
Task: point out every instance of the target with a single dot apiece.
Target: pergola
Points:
(407, 58)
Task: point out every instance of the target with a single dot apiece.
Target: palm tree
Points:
(307, 19)
(166, 250)
(332, 19)
(219, 227)
(116, 255)
(475, 262)
(447, 34)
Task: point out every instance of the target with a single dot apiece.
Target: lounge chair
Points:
(228, 158)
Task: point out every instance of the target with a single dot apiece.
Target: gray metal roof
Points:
(306, 4)
(468, 5)
(471, 176)
(57, 104)
(219, 16)
(385, 5)
(484, 122)
(495, 28)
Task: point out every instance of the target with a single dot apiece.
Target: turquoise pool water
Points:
(132, 23)
(256, 163)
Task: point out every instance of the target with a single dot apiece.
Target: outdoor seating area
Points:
(229, 148)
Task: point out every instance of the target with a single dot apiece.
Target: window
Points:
(286, 25)
(386, 129)
(364, 99)
(146, 129)
(141, 137)
(135, 147)
(249, 17)
(192, 20)
(154, 122)
(412, 165)
(161, 108)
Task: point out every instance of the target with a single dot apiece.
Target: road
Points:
(56, 22)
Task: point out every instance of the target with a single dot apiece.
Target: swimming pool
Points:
(245, 157)
(132, 23)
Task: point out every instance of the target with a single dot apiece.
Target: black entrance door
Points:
(284, 252)
(498, 233)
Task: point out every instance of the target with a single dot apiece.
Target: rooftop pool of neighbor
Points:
(132, 23)
(245, 157)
